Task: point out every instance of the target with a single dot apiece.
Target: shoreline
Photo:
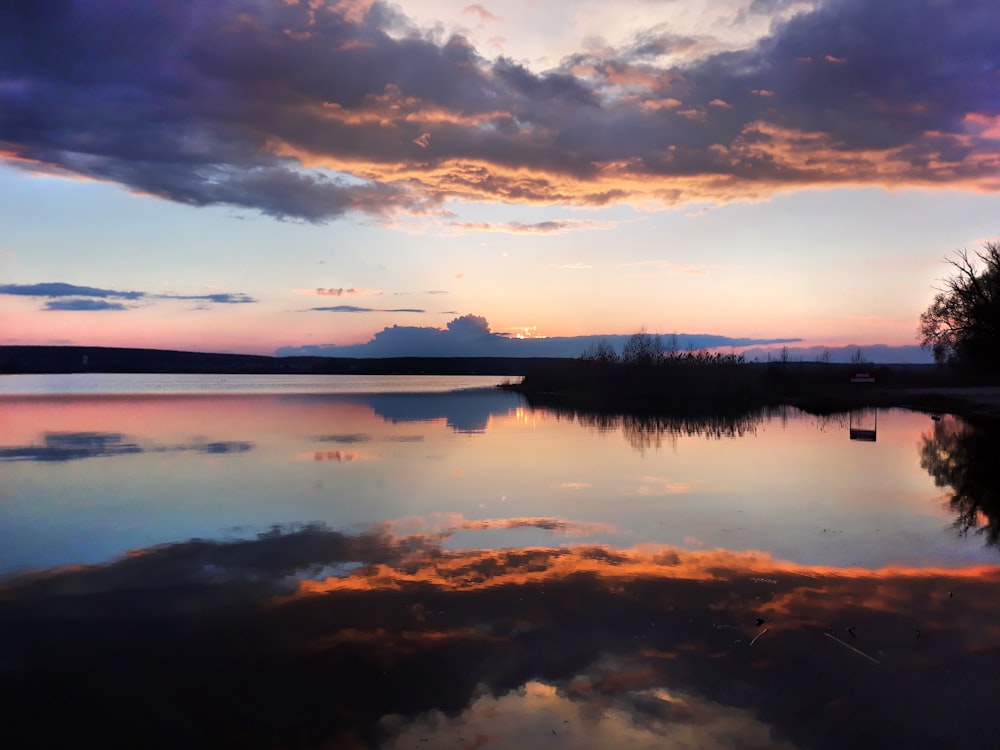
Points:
(968, 401)
(667, 388)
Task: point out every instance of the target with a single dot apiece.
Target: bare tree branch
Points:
(962, 323)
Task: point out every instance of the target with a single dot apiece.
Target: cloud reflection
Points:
(348, 438)
(340, 457)
(379, 639)
(72, 446)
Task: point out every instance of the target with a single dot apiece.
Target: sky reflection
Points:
(87, 478)
(381, 639)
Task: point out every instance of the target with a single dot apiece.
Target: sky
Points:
(305, 176)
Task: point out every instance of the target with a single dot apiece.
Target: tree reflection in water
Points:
(962, 457)
(646, 431)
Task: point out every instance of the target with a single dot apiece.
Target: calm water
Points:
(358, 565)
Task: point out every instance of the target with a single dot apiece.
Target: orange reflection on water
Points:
(475, 569)
(586, 645)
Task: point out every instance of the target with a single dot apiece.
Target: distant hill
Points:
(874, 353)
(67, 359)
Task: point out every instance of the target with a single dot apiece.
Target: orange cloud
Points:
(657, 104)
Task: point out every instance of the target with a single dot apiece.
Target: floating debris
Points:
(855, 650)
(759, 635)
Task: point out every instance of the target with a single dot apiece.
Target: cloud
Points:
(471, 336)
(478, 10)
(538, 227)
(60, 289)
(93, 296)
(83, 304)
(340, 292)
(317, 112)
(220, 299)
(356, 309)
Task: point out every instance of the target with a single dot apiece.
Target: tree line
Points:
(644, 349)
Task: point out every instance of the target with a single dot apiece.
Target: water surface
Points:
(367, 567)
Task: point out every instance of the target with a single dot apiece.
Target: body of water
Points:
(421, 562)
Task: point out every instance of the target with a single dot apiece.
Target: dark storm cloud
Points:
(236, 102)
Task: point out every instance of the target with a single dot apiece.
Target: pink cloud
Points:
(340, 292)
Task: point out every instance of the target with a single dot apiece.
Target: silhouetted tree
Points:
(642, 349)
(600, 351)
(963, 458)
(962, 324)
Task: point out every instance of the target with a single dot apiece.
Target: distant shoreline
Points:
(37, 360)
(568, 383)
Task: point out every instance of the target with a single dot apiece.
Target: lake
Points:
(237, 561)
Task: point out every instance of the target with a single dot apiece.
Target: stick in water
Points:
(758, 635)
(855, 650)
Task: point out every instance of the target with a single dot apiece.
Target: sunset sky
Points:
(249, 175)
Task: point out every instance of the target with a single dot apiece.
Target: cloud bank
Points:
(471, 336)
(316, 111)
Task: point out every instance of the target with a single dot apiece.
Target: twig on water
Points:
(855, 650)
(758, 636)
